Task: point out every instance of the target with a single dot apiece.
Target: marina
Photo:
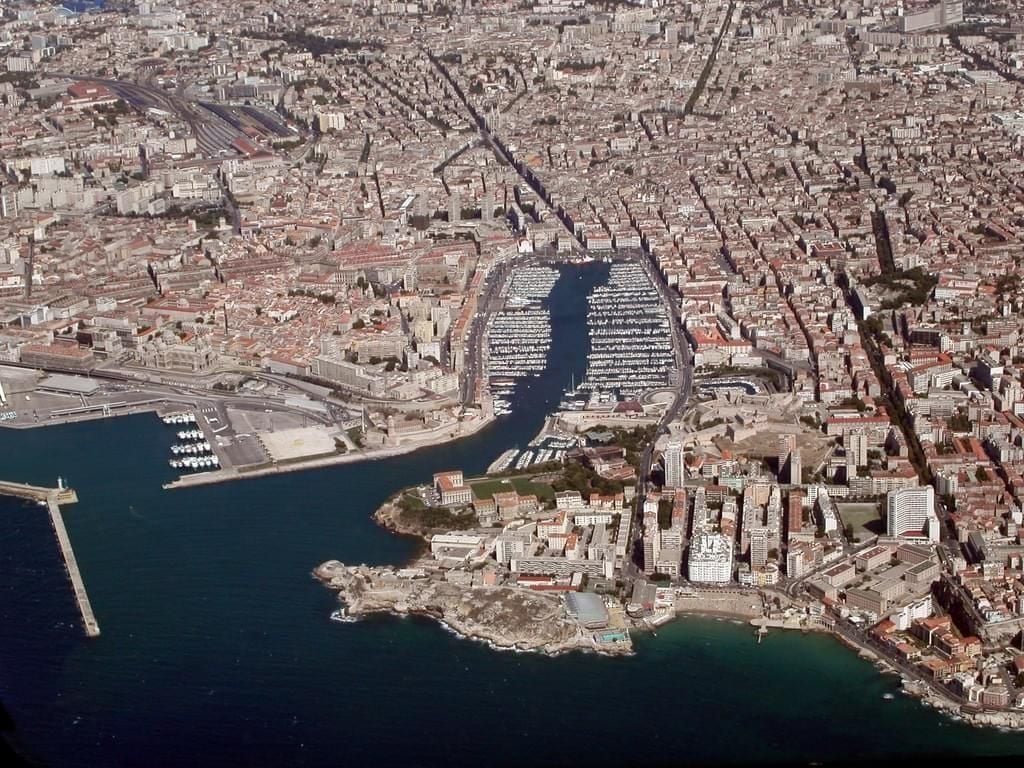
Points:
(542, 449)
(519, 336)
(179, 418)
(525, 459)
(629, 332)
(630, 340)
(193, 453)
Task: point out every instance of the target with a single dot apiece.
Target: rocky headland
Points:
(507, 618)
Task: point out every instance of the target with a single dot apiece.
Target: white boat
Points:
(179, 418)
(342, 615)
(631, 338)
(524, 460)
(519, 336)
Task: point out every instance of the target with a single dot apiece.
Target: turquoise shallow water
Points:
(217, 648)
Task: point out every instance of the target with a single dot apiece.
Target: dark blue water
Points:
(217, 648)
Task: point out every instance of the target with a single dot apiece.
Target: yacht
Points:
(342, 615)
(519, 336)
(630, 339)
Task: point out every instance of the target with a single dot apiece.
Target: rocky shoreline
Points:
(389, 516)
(930, 697)
(506, 618)
(512, 619)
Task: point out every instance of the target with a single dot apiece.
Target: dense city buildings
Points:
(355, 215)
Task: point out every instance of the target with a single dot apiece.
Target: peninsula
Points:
(562, 554)
(503, 601)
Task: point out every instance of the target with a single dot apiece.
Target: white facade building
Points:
(711, 559)
(919, 609)
(911, 511)
(674, 465)
(331, 121)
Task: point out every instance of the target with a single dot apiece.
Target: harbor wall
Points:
(52, 498)
(92, 627)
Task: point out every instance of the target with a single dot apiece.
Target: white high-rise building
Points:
(857, 448)
(8, 203)
(911, 512)
(331, 120)
(759, 546)
(796, 563)
(674, 465)
(710, 559)
(944, 13)
(790, 465)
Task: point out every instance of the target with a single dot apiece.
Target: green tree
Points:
(959, 422)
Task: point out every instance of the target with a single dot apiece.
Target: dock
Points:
(53, 498)
(762, 630)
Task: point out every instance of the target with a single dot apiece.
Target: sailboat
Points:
(571, 401)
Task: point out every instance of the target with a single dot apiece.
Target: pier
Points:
(53, 498)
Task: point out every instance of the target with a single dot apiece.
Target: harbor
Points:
(180, 588)
(193, 451)
(630, 340)
(549, 445)
(519, 336)
(52, 498)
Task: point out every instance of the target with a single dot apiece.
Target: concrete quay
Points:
(53, 498)
(37, 493)
(228, 473)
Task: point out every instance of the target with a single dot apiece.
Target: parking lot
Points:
(241, 450)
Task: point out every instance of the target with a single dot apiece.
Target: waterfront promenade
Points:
(53, 498)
